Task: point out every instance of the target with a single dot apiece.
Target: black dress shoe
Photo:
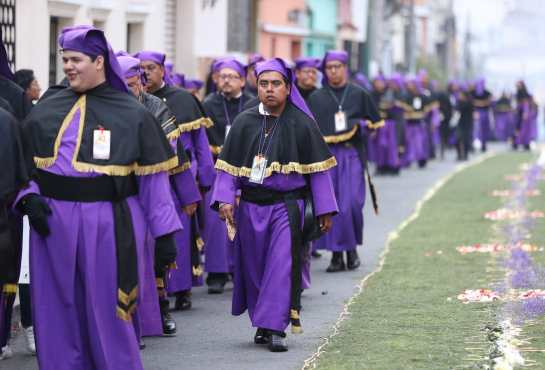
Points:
(316, 254)
(141, 344)
(337, 263)
(215, 288)
(277, 342)
(183, 301)
(262, 336)
(352, 260)
(169, 325)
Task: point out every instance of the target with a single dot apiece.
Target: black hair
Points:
(24, 78)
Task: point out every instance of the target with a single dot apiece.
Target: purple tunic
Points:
(262, 275)
(417, 142)
(482, 128)
(503, 125)
(382, 146)
(524, 134)
(74, 272)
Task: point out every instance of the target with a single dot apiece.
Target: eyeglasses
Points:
(331, 67)
(308, 71)
(229, 77)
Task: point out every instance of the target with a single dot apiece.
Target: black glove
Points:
(37, 210)
(165, 252)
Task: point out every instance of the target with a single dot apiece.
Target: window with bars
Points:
(7, 22)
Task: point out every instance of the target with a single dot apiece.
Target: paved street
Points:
(210, 338)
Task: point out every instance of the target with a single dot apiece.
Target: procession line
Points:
(311, 362)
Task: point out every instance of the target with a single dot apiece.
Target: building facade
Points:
(322, 24)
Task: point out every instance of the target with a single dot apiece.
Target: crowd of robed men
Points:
(135, 189)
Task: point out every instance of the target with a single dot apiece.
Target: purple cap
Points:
(121, 53)
(169, 66)
(397, 79)
(232, 63)
(331, 55)
(255, 58)
(307, 62)
(363, 81)
(178, 79)
(157, 58)
(5, 70)
(193, 84)
(91, 41)
(129, 66)
(280, 66)
(415, 81)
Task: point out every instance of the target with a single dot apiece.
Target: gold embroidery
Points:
(9, 289)
(375, 125)
(277, 167)
(334, 139)
(48, 162)
(196, 124)
(127, 298)
(180, 169)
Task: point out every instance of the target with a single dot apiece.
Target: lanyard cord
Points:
(340, 104)
(227, 112)
(264, 147)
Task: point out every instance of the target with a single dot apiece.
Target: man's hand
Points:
(37, 210)
(226, 212)
(190, 209)
(325, 222)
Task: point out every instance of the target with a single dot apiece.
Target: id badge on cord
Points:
(340, 121)
(417, 103)
(101, 144)
(259, 166)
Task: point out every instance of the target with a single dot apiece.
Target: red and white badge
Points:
(101, 144)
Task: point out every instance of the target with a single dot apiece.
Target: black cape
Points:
(483, 100)
(16, 97)
(414, 106)
(186, 108)
(358, 105)
(305, 93)
(14, 176)
(137, 143)
(297, 145)
(214, 108)
(168, 124)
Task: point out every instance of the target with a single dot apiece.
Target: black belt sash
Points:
(265, 197)
(113, 189)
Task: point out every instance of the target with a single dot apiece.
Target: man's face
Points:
(154, 75)
(336, 73)
(230, 83)
(135, 84)
(33, 91)
(272, 90)
(250, 76)
(379, 85)
(306, 77)
(411, 87)
(82, 73)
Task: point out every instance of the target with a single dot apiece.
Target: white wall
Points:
(33, 23)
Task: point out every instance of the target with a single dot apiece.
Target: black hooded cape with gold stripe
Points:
(297, 145)
(138, 145)
(186, 108)
(358, 105)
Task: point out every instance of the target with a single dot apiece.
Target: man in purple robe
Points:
(383, 144)
(503, 118)
(345, 113)
(222, 108)
(276, 157)
(192, 123)
(251, 83)
(482, 102)
(99, 180)
(306, 74)
(523, 120)
(186, 194)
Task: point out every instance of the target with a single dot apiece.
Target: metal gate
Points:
(7, 22)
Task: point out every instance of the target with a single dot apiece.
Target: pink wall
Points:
(275, 12)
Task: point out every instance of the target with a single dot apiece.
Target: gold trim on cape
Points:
(180, 169)
(375, 125)
(481, 103)
(285, 169)
(334, 139)
(195, 125)
(110, 169)
(9, 289)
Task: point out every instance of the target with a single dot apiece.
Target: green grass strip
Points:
(403, 319)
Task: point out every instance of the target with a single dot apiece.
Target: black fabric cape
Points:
(137, 143)
(305, 93)
(503, 105)
(166, 119)
(483, 100)
(297, 146)
(185, 107)
(358, 105)
(213, 107)
(14, 176)
(412, 111)
(16, 97)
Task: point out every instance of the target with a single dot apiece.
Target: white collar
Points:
(262, 110)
